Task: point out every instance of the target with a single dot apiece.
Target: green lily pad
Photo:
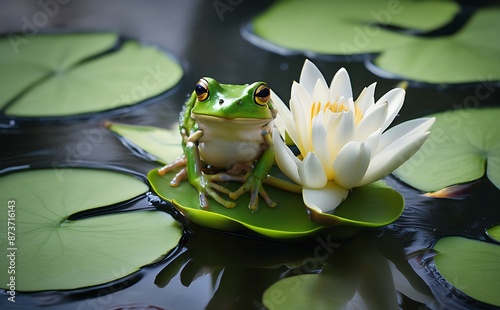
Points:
(435, 60)
(368, 206)
(71, 74)
(461, 144)
(494, 233)
(344, 28)
(54, 252)
(471, 266)
(164, 145)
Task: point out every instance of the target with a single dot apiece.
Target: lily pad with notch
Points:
(61, 75)
(462, 146)
(469, 55)
(345, 28)
(53, 251)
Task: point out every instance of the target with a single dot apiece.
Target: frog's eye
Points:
(262, 95)
(201, 89)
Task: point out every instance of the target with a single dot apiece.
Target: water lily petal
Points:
(351, 164)
(373, 140)
(305, 99)
(311, 172)
(372, 121)
(326, 199)
(320, 144)
(393, 156)
(395, 98)
(341, 85)
(285, 159)
(302, 125)
(284, 119)
(309, 75)
(365, 99)
(340, 131)
(401, 131)
(320, 93)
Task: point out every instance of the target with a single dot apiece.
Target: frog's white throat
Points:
(229, 141)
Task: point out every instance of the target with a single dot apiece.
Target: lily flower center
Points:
(335, 108)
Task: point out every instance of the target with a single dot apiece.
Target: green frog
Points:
(225, 133)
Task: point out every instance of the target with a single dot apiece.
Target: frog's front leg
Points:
(257, 176)
(203, 184)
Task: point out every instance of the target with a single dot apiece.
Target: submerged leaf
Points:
(163, 144)
(461, 144)
(471, 266)
(62, 75)
(53, 252)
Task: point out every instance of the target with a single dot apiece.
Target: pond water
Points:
(216, 270)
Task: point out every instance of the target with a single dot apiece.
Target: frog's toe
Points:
(181, 175)
(240, 191)
(218, 198)
(253, 205)
(204, 201)
(266, 197)
(179, 162)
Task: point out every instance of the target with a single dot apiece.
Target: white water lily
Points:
(343, 143)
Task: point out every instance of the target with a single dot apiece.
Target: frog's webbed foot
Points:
(208, 188)
(253, 185)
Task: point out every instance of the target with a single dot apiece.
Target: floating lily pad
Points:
(71, 74)
(461, 145)
(54, 252)
(494, 233)
(368, 206)
(163, 145)
(467, 56)
(471, 266)
(344, 28)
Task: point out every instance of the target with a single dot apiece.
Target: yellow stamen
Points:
(336, 108)
(358, 115)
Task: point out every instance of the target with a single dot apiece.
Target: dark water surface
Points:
(213, 269)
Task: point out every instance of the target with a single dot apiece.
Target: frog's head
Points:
(233, 101)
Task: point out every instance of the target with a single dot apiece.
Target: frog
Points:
(225, 131)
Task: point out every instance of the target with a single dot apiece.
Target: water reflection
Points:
(250, 273)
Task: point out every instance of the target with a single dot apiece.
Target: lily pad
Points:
(344, 28)
(56, 252)
(461, 145)
(71, 74)
(471, 266)
(368, 206)
(467, 56)
(494, 233)
(161, 145)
